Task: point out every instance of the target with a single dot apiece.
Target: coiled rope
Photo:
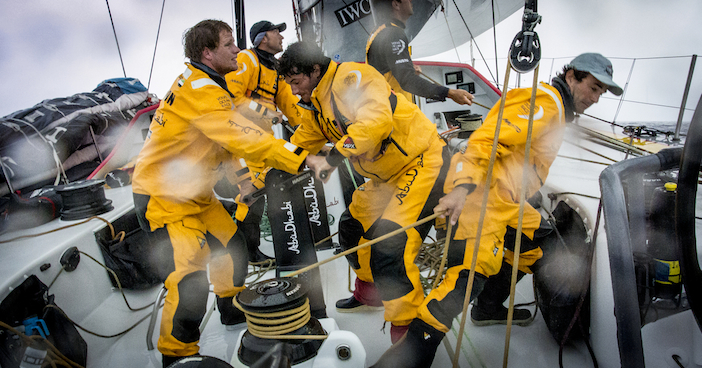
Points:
(275, 325)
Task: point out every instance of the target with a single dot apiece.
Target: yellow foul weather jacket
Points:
(379, 132)
(256, 87)
(195, 131)
(505, 188)
(258, 91)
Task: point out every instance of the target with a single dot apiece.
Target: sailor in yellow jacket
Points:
(194, 133)
(387, 50)
(578, 86)
(258, 94)
(389, 141)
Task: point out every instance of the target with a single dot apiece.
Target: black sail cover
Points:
(70, 130)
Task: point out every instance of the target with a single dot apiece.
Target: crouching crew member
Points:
(389, 141)
(387, 50)
(579, 85)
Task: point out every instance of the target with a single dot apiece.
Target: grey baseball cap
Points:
(264, 26)
(600, 67)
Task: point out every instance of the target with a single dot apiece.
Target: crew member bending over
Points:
(577, 87)
(393, 144)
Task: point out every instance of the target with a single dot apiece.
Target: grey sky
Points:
(53, 48)
(621, 30)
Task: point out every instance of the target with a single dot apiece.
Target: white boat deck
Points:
(90, 300)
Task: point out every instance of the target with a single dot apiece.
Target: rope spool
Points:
(278, 309)
(469, 122)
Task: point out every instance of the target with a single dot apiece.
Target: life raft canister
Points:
(662, 243)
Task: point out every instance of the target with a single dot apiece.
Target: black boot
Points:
(229, 315)
(414, 350)
(489, 309)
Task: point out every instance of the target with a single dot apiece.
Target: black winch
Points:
(275, 308)
(83, 199)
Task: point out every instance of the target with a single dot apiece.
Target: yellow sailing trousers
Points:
(446, 301)
(209, 237)
(382, 207)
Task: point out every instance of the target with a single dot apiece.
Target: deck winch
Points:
(278, 311)
(273, 308)
(83, 199)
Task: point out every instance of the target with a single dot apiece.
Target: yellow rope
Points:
(364, 245)
(112, 229)
(444, 256)
(275, 325)
(518, 241)
(488, 180)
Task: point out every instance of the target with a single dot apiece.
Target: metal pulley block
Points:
(525, 50)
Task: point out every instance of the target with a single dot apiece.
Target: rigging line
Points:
(455, 48)
(558, 194)
(583, 160)
(591, 151)
(481, 218)
(474, 349)
(494, 37)
(54, 306)
(54, 230)
(359, 23)
(520, 221)
(158, 32)
(652, 57)
(648, 103)
(51, 347)
(364, 245)
(621, 100)
(119, 284)
(116, 41)
(603, 120)
(473, 38)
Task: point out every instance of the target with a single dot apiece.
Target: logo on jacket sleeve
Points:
(348, 143)
(398, 46)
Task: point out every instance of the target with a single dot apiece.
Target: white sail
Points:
(342, 27)
(446, 29)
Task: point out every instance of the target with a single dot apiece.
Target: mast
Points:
(240, 24)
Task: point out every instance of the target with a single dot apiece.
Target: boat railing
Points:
(656, 89)
(621, 247)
